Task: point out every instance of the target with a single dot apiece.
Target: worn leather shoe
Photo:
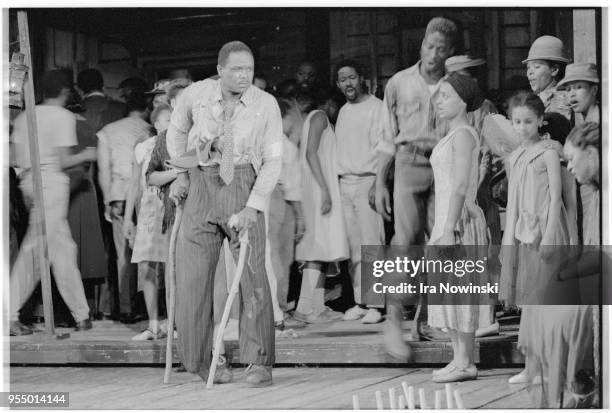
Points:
(83, 325)
(18, 329)
(179, 369)
(258, 375)
(223, 373)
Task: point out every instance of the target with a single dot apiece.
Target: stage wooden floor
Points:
(293, 388)
(343, 342)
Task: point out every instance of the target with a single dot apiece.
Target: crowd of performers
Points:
(313, 177)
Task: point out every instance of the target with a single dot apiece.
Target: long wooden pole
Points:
(40, 229)
(372, 52)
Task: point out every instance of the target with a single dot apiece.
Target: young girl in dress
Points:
(325, 241)
(536, 220)
(458, 220)
(150, 245)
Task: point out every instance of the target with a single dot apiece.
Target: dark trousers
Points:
(209, 205)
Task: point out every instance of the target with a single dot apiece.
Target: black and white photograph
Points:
(296, 207)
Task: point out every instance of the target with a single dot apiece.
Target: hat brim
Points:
(565, 81)
(551, 58)
(464, 65)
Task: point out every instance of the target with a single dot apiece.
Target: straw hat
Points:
(579, 71)
(456, 63)
(547, 48)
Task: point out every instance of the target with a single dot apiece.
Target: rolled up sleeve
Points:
(272, 161)
(180, 123)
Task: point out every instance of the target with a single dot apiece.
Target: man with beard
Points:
(238, 131)
(410, 131)
(357, 132)
(306, 77)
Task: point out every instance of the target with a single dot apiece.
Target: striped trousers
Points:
(209, 205)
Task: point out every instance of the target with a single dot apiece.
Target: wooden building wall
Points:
(383, 40)
(388, 41)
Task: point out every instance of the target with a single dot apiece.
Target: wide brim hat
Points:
(459, 62)
(579, 71)
(547, 48)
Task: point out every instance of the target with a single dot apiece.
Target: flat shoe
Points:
(148, 334)
(19, 329)
(331, 314)
(373, 316)
(291, 322)
(456, 374)
(443, 370)
(312, 318)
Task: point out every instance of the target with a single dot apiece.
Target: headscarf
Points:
(467, 89)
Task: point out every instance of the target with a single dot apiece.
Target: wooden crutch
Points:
(244, 241)
(170, 270)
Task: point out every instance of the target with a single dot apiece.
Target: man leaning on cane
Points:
(227, 135)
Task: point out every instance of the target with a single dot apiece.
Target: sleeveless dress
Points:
(528, 204)
(471, 226)
(149, 243)
(325, 238)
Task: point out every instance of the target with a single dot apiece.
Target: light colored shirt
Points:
(256, 128)
(116, 144)
(56, 128)
(142, 157)
(556, 100)
(409, 114)
(290, 179)
(358, 131)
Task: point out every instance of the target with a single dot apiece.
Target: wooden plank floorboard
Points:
(336, 343)
(518, 400)
(338, 393)
(294, 388)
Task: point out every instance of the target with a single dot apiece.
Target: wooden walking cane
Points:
(172, 281)
(244, 241)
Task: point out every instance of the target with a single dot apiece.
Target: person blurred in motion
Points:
(410, 132)
(56, 128)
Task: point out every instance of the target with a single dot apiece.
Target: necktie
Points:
(226, 170)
